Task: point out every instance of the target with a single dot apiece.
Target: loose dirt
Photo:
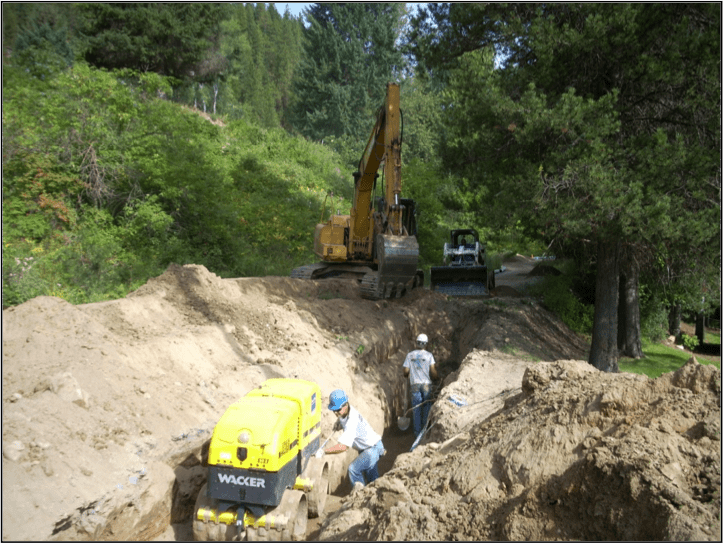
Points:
(107, 408)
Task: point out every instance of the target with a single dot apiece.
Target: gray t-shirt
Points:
(419, 362)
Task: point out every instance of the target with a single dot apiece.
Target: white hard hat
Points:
(422, 338)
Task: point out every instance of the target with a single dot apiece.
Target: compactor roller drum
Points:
(211, 530)
(264, 480)
(318, 472)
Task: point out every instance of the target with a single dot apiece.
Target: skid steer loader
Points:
(263, 478)
(465, 271)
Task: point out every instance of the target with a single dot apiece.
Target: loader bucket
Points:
(460, 280)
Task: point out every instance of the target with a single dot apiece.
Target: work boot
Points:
(357, 486)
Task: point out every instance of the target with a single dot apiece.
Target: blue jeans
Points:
(420, 394)
(365, 465)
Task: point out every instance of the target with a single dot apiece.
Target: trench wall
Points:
(377, 385)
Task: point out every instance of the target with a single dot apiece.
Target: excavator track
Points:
(307, 272)
(329, 270)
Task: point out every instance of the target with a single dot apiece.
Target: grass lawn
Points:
(661, 358)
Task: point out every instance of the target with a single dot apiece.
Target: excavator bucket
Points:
(397, 271)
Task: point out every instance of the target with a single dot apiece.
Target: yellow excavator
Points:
(376, 245)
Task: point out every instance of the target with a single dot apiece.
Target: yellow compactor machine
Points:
(263, 478)
(376, 242)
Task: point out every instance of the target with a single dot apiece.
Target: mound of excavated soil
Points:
(504, 290)
(574, 455)
(544, 269)
(107, 408)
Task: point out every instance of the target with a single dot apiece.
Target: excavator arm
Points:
(384, 146)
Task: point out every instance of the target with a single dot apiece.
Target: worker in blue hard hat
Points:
(419, 366)
(358, 434)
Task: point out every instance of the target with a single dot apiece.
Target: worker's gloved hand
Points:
(319, 453)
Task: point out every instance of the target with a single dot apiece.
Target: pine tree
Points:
(169, 39)
(350, 55)
(602, 126)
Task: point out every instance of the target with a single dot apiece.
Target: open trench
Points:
(451, 334)
(160, 368)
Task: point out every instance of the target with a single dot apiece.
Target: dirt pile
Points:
(107, 407)
(575, 454)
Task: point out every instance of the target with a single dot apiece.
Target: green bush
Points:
(128, 183)
(22, 279)
(493, 261)
(689, 342)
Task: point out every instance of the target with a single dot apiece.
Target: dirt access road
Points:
(107, 406)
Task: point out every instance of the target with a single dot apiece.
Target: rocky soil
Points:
(107, 408)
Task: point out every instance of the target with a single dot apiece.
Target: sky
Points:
(295, 9)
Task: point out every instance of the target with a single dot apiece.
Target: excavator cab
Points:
(409, 216)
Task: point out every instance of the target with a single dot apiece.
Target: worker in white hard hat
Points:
(358, 434)
(419, 367)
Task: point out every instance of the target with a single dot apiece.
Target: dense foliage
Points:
(136, 135)
(169, 39)
(105, 184)
(601, 126)
(350, 55)
(598, 124)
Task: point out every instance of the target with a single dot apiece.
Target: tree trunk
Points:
(629, 342)
(604, 348)
(700, 327)
(215, 96)
(674, 317)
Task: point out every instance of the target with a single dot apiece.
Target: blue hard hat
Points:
(337, 399)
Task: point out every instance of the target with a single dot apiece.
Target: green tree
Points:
(248, 71)
(349, 56)
(169, 39)
(39, 37)
(423, 123)
(46, 31)
(600, 127)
